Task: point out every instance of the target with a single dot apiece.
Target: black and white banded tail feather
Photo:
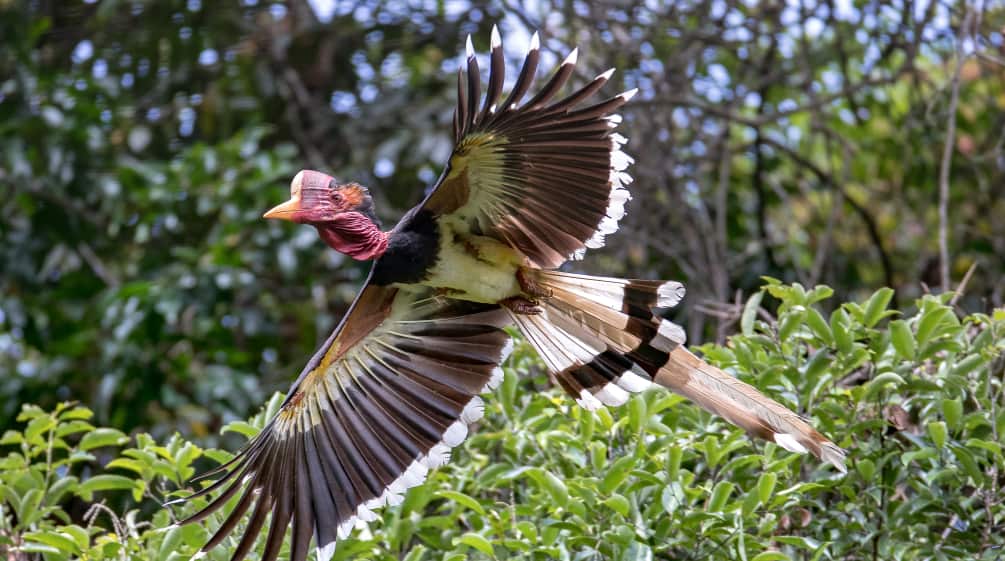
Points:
(371, 414)
(601, 340)
(545, 176)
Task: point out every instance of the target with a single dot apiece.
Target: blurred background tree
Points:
(141, 141)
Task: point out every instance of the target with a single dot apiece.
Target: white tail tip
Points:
(572, 58)
(496, 39)
(789, 442)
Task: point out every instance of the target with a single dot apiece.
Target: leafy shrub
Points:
(915, 400)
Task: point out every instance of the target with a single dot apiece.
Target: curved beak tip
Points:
(283, 211)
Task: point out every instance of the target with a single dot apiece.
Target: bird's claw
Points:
(530, 286)
(522, 306)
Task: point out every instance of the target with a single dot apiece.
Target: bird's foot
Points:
(521, 305)
(530, 286)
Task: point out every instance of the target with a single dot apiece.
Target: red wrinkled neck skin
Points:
(355, 235)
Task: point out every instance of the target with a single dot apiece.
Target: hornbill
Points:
(529, 185)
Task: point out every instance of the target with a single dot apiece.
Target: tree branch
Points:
(947, 154)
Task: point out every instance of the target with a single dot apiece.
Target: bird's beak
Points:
(284, 211)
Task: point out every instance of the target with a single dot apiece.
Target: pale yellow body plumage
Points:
(472, 267)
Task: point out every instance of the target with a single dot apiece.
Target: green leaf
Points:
(819, 326)
(903, 339)
(866, 468)
(749, 314)
(929, 326)
(637, 415)
(969, 464)
(172, 539)
(839, 328)
(672, 498)
(618, 503)
(968, 365)
(720, 494)
(463, 499)
(102, 437)
(952, 410)
(77, 413)
(937, 432)
(880, 382)
(618, 472)
(478, 542)
(104, 482)
(876, 305)
(766, 485)
(241, 427)
(771, 556)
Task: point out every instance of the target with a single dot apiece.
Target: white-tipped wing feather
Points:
(380, 404)
(545, 176)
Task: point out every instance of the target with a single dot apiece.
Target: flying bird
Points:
(530, 184)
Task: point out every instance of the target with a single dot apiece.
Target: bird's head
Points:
(342, 213)
(317, 198)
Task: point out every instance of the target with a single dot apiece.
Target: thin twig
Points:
(962, 287)
(97, 265)
(947, 155)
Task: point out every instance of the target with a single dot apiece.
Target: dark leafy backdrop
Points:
(818, 142)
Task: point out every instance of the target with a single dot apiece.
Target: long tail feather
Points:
(600, 338)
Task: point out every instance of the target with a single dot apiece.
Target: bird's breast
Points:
(473, 267)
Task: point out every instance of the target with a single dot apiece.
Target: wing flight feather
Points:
(546, 177)
(378, 406)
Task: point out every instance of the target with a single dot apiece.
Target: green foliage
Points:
(915, 399)
(141, 142)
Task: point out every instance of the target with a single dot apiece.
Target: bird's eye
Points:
(337, 198)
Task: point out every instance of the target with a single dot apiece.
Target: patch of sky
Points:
(364, 70)
(368, 93)
(208, 57)
(794, 133)
(100, 68)
(325, 9)
(844, 10)
(718, 74)
(342, 101)
(82, 52)
(454, 9)
(813, 27)
(393, 70)
(832, 79)
(786, 46)
(384, 167)
(681, 118)
(186, 121)
(426, 174)
(787, 105)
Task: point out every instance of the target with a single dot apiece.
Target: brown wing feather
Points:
(380, 403)
(545, 177)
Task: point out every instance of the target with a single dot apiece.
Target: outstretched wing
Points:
(546, 177)
(381, 402)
